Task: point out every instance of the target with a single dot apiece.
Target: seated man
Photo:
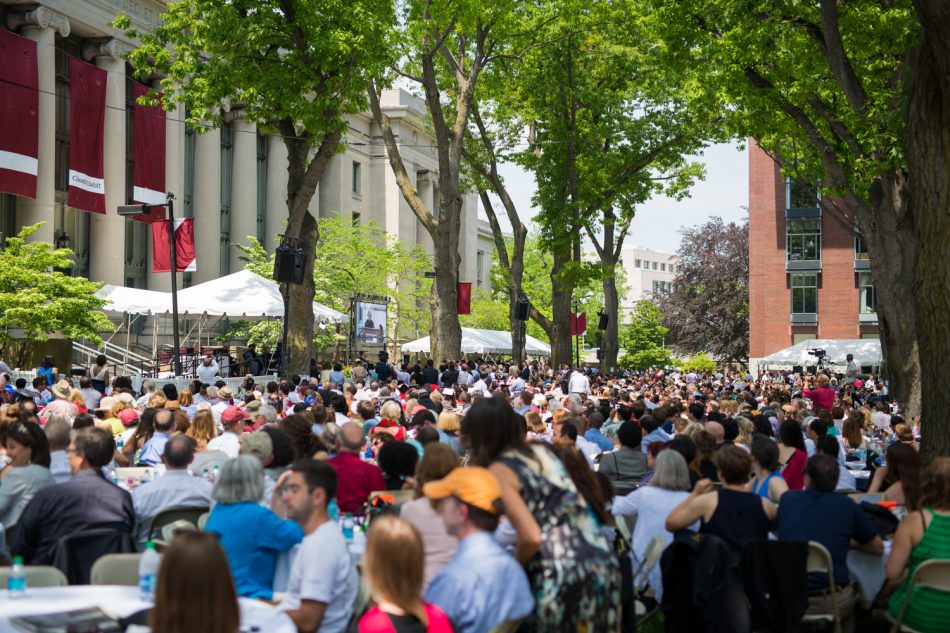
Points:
(483, 585)
(154, 448)
(86, 502)
(357, 479)
(817, 513)
(323, 582)
(175, 489)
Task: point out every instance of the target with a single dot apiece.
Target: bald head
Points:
(716, 430)
(350, 438)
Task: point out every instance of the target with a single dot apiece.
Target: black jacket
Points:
(776, 584)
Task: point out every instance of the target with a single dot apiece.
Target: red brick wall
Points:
(769, 295)
(769, 301)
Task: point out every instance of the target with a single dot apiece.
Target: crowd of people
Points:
(489, 493)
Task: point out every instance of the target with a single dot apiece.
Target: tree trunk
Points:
(562, 346)
(610, 345)
(445, 331)
(927, 145)
(300, 310)
(519, 328)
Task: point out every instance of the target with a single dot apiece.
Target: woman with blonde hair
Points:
(393, 568)
(449, 424)
(438, 460)
(202, 430)
(186, 401)
(76, 397)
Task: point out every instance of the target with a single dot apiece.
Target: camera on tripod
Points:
(818, 353)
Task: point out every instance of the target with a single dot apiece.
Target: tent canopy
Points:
(865, 351)
(475, 341)
(241, 296)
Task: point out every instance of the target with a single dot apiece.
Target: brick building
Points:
(808, 275)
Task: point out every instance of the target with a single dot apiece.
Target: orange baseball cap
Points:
(474, 485)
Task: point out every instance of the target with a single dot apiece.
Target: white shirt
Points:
(218, 409)
(207, 373)
(227, 443)
(176, 488)
(482, 386)
(588, 448)
(578, 383)
(323, 571)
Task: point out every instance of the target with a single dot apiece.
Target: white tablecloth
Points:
(122, 602)
(868, 571)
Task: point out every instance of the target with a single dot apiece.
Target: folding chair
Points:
(930, 574)
(116, 569)
(819, 560)
(651, 557)
(37, 576)
(171, 515)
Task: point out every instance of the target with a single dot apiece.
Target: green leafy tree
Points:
(700, 362)
(352, 259)
(37, 300)
(851, 95)
(642, 338)
(298, 67)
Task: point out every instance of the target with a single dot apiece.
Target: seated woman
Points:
(28, 469)
(627, 465)
(923, 535)
(652, 504)
(768, 480)
(252, 536)
(792, 455)
(900, 478)
(398, 462)
(732, 513)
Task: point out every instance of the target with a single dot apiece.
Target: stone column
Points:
(174, 182)
(275, 218)
(107, 232)
(207, 205)
(41, 26)
(243, 186)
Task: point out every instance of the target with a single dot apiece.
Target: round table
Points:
(120, 601)
(868, 571)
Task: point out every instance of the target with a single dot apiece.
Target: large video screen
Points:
(371, 323)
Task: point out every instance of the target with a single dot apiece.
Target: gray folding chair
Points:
(116, 569)
(37, 576)
(931, 574)
(819, 561)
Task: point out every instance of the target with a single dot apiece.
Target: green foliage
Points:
(490, 312)
(39, 300)
(642, 338)
(353, 259)
(302, 60)
(700, 362)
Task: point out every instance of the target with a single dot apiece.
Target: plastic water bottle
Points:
(16, 581)
(205, 474)
(119, 443)
(115, 477)
(333, 510)
(215, 474)
(348, 526)
(148, 572)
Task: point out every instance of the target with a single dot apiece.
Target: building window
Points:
(663, 268)
(866, 303)
(654, 265)
(261, 186)
(803, 239)
(671, 268)
(136, 233)
(860, 248)
(357, 179)
(801, 195)
(804, 293)
(227, 164)
(480, 268)
(636, 263)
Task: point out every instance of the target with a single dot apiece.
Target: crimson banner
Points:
(578, 323)
(464, 301)
(87, 122)
(19, 113)
(184, 246)
(149, 171)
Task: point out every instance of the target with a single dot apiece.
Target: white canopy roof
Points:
(866, 352)
(240, 296)
(475, 341)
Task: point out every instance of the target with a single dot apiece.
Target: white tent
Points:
(122, 300)
(475, 341)
(865, 351)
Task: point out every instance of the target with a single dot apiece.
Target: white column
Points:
(41, 26)
(174, 182)
(107, 232)
(243, 186)
(275, 218)
(207, 205)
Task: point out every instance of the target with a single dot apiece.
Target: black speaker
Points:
(289, 265)
(604, 320)
(521, 310)
(798, 369)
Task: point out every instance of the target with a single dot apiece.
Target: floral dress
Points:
(575, 576)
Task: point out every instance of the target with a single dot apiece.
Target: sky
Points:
(724, 192)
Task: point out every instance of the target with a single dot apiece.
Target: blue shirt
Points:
(602, 441)
(841, 520)
(482, 586)
(252, 536)
(658, 435)
(154, 449)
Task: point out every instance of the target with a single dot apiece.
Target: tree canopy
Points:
(643, 338)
